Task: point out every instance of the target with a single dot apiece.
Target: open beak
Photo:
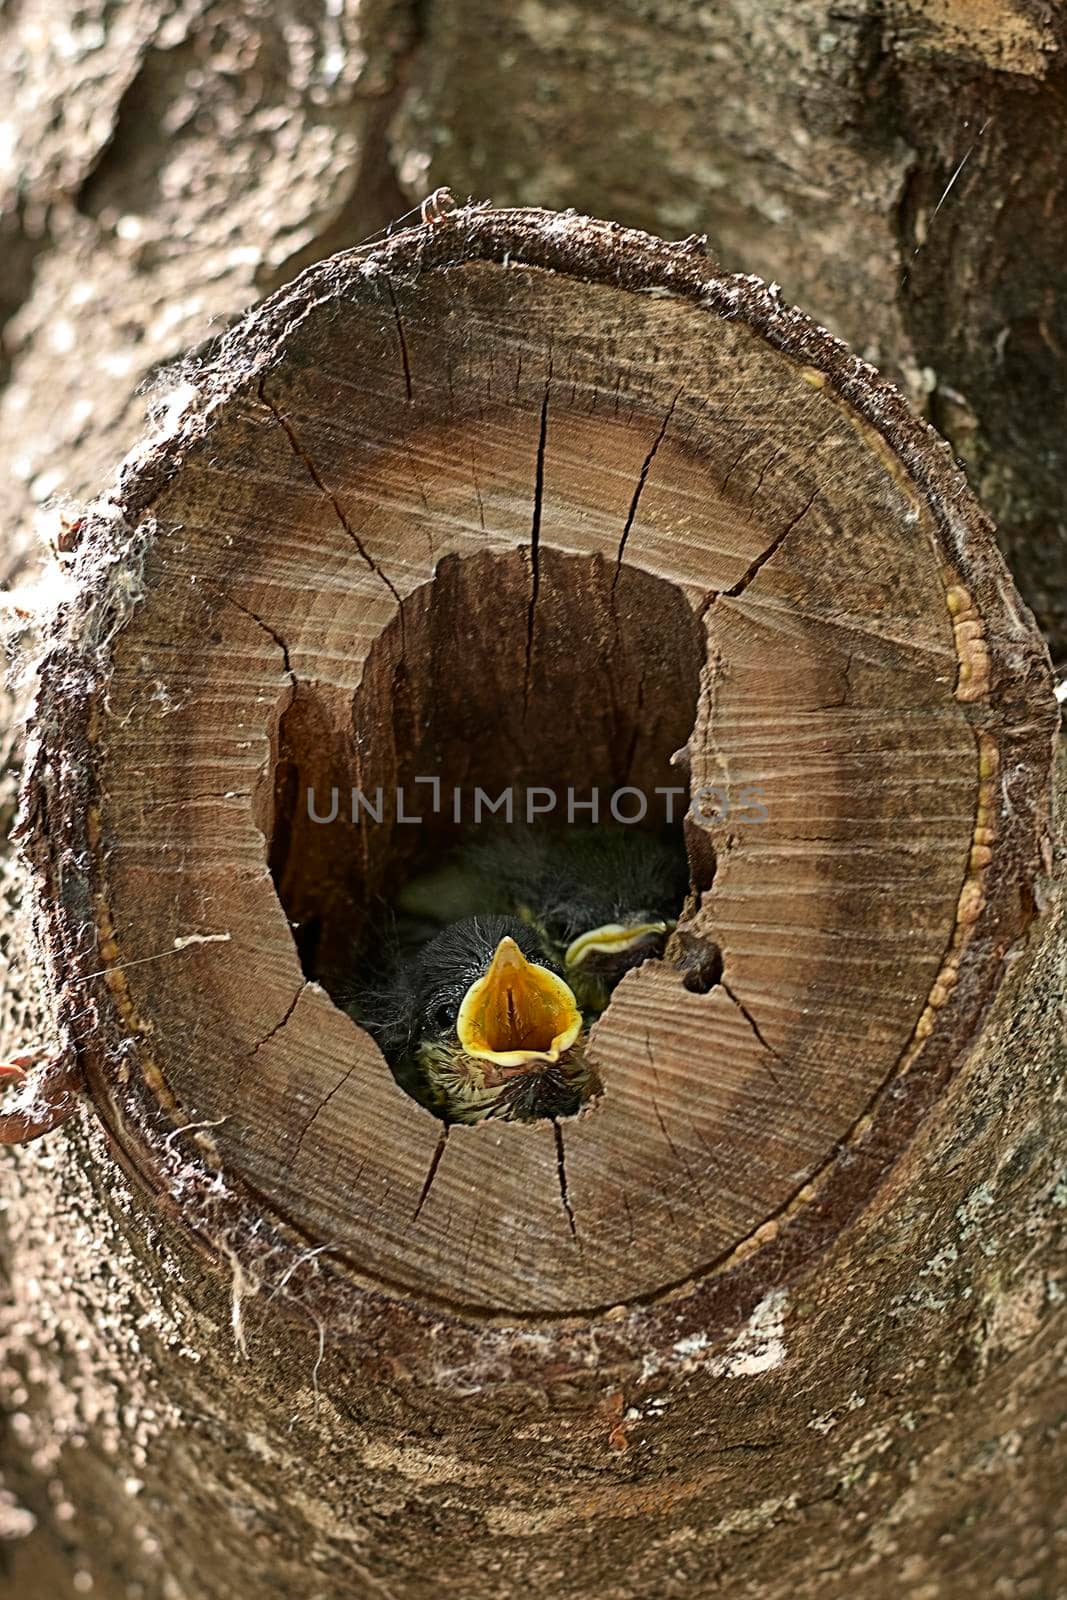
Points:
(614, 939)
(518, 1013)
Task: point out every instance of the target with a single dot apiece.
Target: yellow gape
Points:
(611, 938)
(518, 1013)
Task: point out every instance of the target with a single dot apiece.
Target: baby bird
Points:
(601, 899)
(604, 899)
(478, 1024)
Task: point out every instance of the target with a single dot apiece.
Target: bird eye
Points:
(442, 1018)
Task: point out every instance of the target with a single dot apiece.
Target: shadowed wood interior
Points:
(487, 520)
(463, 705)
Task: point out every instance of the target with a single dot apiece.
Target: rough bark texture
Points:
(897, 165)
(892, 1426)
(652, 1399)
(891, 1421)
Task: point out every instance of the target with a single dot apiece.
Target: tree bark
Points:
(896, 165)
(229, 1365)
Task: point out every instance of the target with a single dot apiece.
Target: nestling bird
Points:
(601, 900)
(477, 1023)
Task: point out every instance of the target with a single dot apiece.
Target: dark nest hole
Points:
(547, 685)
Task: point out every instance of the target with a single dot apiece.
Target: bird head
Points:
(601, 899)
(598, 958)
(491, 1026)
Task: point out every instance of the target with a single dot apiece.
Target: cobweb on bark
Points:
(26, 1020)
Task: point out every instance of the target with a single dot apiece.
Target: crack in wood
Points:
(478, 493)
(401, 339)
(435, 1162)
(766, 467)
(838, 705)
(278, 1026)
(638, 727)
(535, 535)
(736, 462)
(272, 633)
(713, 596)
(761, 560)
(642, 479)
(753, 1024)
(799, 1099)
(629, 1218)
(561, 1170)
(324, 489)
(319, 1109)
(675, 1151)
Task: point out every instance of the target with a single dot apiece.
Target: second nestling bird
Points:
(501, 959)
(601, 899)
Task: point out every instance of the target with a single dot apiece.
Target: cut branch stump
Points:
(518, 499)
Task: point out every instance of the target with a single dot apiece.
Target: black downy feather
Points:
(409, 1001)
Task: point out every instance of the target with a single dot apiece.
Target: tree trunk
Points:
(521, 499)
(897, 165)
